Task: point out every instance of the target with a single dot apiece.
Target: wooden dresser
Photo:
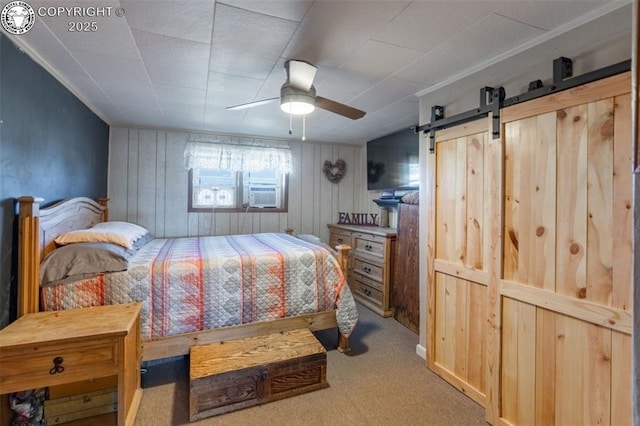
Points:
(370, 263)
(58, 347)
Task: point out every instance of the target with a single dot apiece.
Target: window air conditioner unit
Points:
(263, 196)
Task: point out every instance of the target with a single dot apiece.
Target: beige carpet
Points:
(381, 382)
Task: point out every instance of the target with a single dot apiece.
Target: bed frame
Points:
(38, 228)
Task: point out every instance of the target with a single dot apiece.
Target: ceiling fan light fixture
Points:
(297, 108)
(297, 102)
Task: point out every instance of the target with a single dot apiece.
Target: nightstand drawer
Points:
(368, 269)
(58, 365)
(369, 244)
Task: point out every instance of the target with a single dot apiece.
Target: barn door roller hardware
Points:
(490, 101)
(563, 79)
(493, 100)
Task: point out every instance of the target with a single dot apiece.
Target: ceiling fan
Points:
(298, 96)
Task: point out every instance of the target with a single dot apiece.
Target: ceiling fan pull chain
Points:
(303, 128)
(290, 124)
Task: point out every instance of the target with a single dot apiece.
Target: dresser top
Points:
(375, 230)
(72, 324)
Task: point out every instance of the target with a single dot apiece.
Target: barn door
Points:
(458, 277)
(565, 343)
(531, 261)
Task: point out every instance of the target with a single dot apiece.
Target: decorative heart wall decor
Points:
(334, 172)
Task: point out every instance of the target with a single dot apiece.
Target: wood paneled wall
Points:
(148, 186)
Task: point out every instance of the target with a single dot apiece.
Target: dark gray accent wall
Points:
(51, 146)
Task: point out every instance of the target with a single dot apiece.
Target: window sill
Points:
(236, 210)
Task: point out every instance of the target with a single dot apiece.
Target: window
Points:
(223, 189)
(237, 178)
(213, 188)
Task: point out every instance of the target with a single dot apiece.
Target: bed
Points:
(193, 290)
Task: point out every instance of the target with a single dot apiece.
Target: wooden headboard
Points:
(38, 229)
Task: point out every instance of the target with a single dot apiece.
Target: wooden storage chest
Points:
(228, 376)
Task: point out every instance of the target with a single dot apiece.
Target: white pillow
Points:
(314, 240)
(121, 233)
(310, 239)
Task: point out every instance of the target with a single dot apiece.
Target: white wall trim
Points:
(421, 351)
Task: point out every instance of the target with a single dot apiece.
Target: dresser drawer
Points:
(54, 365)
(360, 288)
(369, 244)
(368, 269)
(368, 281)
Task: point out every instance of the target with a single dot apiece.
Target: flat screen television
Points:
(392, 161)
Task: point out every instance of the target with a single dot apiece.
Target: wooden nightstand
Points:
(53, 348)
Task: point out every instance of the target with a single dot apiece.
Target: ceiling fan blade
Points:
(251, 104)
(300, 74)
(338, 108)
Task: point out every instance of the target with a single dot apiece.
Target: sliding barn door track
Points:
(492, 100)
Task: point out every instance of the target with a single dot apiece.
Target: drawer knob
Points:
(340, 240)
(368, 247)
(57, 365)
(367, 292)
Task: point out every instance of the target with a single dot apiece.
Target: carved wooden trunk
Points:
(228, 376)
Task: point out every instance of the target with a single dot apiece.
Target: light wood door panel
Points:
(567, 239)
(458, 276)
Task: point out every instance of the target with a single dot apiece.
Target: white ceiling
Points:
(178, 64)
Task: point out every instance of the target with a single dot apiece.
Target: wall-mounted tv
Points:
(392, 161)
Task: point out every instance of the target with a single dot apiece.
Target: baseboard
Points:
(421, 351)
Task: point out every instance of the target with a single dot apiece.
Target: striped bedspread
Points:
(193, 284)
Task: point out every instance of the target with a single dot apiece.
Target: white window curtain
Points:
(236, 157)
